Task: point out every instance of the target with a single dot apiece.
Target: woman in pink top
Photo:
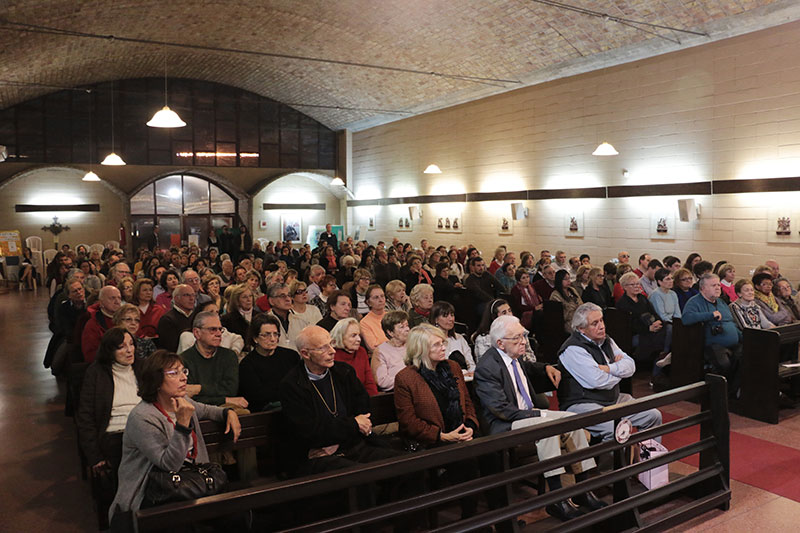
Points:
(371, 329)
(389, 357)
(727, 274)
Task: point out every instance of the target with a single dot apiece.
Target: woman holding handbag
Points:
(163, 435)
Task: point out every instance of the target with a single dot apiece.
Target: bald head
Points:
(773, 265)
(311, 337)
(183, 297)
(110, 299)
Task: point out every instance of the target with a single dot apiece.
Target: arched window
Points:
(186, 208)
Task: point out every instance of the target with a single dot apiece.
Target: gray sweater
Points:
(151, 440)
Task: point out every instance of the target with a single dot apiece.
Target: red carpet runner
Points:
(763, 464)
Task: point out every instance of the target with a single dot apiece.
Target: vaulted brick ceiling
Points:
(521, 40)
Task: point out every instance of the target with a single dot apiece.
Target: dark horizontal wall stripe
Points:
(35, 208)
(496, 196)
(756, 185)
(672, 189)
(270, 207)
(550, 194)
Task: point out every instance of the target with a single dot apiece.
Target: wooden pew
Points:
(688, 353)
(761, 371)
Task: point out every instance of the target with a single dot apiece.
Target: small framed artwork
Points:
(505, 225)
(783, 225)
(662, 225)
(573, 224)
(449, 223)
(371, 224)
(405, 223)
(262, 224)
(291, 228)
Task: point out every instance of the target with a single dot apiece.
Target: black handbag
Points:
(190, 482)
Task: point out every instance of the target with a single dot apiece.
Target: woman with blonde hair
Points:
(396, 296)
(298, 291)
(128, 316)
(346, 339)
(239, 311)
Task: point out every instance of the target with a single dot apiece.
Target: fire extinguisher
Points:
(122, 236)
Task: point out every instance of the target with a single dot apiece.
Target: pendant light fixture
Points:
(166, 117)
(337, 182)
(433, 168)
(112, 159)
(605, 149)
(90, 176)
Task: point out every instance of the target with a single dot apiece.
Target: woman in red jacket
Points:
(151, 311)
(346, 337)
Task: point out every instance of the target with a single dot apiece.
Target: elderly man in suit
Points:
(506, 391)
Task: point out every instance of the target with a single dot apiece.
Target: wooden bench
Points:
(684, 497)
(761, 371)
(688, 353)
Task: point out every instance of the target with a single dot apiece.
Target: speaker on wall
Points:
(687, 210)
(518, 211)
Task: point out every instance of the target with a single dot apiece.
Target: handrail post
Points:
(719, 427)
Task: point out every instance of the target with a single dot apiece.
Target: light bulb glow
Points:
(113, 160)
(166, 118)
(605, 149)
(90, 176)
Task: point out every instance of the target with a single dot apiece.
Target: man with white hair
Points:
(315, 275)
(101, 318)
(592, 366)
(509, 401)
(192, 279)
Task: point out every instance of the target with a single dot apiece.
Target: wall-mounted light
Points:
(433, 168)
(605, 149)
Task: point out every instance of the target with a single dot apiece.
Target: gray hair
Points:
(580, 320)
(273, 289)
(704, 279)
(418, 292)
(340, 330)
(200, 318)
(500, 326)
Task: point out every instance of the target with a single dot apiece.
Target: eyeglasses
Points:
(176, 373)
(515, 338)
(300, 291)
(438, 345)
(282, 295)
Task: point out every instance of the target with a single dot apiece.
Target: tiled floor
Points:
(42, 490)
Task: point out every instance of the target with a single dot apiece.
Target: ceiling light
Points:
(605, 149)
(166, 117)
(90, 176)
(432, 169)
(337, 182)
(112, 160)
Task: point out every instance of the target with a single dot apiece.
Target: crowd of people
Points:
(173, 335)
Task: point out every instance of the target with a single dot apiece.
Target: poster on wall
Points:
(314, 231)
(449, 223)
(371, 223)
(505, 225)
(291, 228)
(783, 225)
(405, 224)
(662, 225)
(10, 243)
(573, 224)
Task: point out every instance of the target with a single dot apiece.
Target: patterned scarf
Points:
(768, 299)
(441, 380)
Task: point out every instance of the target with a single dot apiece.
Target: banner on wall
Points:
(10, 243)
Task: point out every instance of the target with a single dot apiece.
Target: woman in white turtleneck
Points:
(108, 394)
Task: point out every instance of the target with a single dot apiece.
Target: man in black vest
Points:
(592, 365)
(505, 387)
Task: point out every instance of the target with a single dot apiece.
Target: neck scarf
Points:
(442, 381)
(769, 300)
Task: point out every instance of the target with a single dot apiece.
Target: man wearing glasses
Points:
(509, 401)
(281, 304)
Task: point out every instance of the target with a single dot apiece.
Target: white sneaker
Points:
(667, 359)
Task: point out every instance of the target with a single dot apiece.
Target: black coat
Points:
(236, 323)
(310, 424)
(170, 327)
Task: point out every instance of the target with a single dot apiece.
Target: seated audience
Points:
(64, 344)
(443, 316)
(316, 274)
(151, 312)
(648, 280)
(482, 287)
(775, 310)
(389, 358)
(506, 275)
(211, 286)
(665, 302)
(480, 338)
(328, 287)
(421, 299)
(290, 323)
(597, 291)
(371, 330)
(648, 329)
(565, 294)
(231, 341)
(723, 349)
(108, 394)
(746, 311)
(727, 276)
(358, 292)
(682, 286)
(339, 308)
(644, 260)
(545, 286)
(617, 291)
(128, 317)
(169, 281)
(311, 314)
(176, 320)
(497, 260)
(125, 287)
(328, 430)
(580, 277)
(239, 312)
(504, 385)
(261, 371)
(691, 260)
(101, 319)
(592, 365)
(416, 274)
(397, 297)
(192, 279)
(524, 301)
(699, 269)
(445, 288)
(783, 294)
(346, 336)
(162, 431)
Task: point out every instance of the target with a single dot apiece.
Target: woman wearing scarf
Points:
(416, 274)
(775, 311)
(433, 405)
(421, 298)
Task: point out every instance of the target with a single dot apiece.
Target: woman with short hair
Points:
(211, 286)
(397, 297)
(774, 309)
(358, 292)
(647, 327)
(745, 309)
(421, 299)
(298, 292)
(346, 339)
(727, 276)
(443, 316)
(162, 431)
(327, 287)
(128, 316)
(150, 311)
(682, 285)
(389, 358)
(169, 280)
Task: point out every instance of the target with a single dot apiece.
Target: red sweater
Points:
(148, 327)
(360, 361)
(96, 326)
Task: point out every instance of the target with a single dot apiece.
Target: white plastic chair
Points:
(96, 247)
(115, 244)
(34, 243)
(49, 255)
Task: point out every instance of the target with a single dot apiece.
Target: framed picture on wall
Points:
(573, 224)
(404, 223)
(449, 222)
(505, 225)
(291, 228)
(371, 223)
(662, 225)
(783, 225)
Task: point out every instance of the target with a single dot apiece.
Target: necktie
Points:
(520, 386)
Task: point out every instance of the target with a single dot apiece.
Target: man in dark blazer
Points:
(506, 392)
(178, 319)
